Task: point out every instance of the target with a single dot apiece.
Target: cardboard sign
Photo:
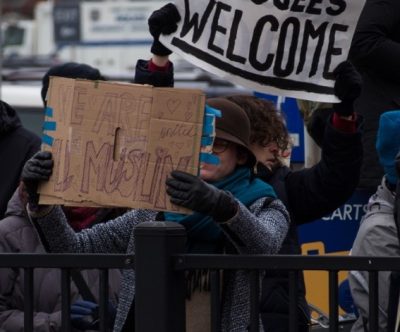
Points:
(114, 144)
(281, 47)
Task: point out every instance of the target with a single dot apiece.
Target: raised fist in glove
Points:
(35, 170)
(85, 315)
(163, 21)
(195, 194)
(347, 88)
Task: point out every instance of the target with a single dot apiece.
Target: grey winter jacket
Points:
(261, 228)
(17, 235)
(377, 236)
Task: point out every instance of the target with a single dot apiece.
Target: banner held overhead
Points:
(282, 47)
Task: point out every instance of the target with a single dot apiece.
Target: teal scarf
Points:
(241, 184)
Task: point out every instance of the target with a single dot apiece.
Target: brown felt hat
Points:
(234, 125)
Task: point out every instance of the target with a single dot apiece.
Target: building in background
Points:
(109, 35)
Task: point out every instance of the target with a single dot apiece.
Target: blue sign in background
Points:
(338, 230)
(294, 122)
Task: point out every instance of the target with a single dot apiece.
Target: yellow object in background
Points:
(317, 282)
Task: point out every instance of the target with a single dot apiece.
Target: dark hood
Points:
(9, 119)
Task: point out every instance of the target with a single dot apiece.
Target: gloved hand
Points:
(163, 21)
(347, 88)
(85, 315)
(38, 168)
(193, 193)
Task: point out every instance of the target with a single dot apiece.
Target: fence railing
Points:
(160, 264)
(66, 263)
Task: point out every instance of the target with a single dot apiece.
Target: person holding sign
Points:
(17, 235)
(233, 212)
(158, 70)
(324, 187)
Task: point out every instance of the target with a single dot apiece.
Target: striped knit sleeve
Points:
(110, 237)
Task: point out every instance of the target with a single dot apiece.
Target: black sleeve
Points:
(34, 146)
(319, 190)
(156, 78)
(375, 44)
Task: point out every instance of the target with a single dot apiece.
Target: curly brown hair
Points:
(267, 124)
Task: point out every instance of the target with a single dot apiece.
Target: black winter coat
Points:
(375, 51)
(308, 194)
(17, 145)
(155, 78)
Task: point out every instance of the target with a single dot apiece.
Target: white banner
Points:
(281, 47)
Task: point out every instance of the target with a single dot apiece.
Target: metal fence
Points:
(160, 264)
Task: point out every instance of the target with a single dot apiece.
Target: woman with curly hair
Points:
(269, 137)
(308, 194)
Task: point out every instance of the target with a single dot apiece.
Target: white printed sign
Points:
(281, 47)
(116, 22)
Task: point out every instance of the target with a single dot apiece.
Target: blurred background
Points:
(110, 35)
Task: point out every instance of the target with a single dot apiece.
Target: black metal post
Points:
(373, 301)
(160, 289)
(393, 306)
(333, 301)
(103, 309)
(293, 294)
(65, 300)
(215, 301)
(254, 301)
(28, 299)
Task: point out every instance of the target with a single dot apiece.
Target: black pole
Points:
(293, 294)
(103, 302)
(160, 289)
(333, 301)
(65, 300)
(254, 301)
(373, 301)
(28, 299)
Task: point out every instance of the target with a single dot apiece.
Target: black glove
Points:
(36, 169)
(85, 315)
(193, 193)
(163, 21)
(347, 88)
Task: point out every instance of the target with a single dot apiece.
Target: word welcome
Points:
(287, 45)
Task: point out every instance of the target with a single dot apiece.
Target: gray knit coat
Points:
(261, 228)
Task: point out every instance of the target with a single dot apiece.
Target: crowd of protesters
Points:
(249, 203)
